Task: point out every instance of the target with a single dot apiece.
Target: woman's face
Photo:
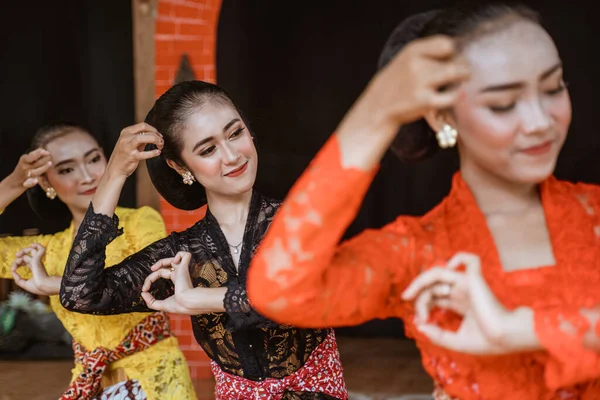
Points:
(219, 151)
(78, 163)
(514, 117)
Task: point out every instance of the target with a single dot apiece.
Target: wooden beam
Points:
(143, 14)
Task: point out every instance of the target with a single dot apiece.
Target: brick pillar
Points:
(190, 27)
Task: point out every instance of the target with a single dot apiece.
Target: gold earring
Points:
(50, 193)
(188, 178)
(446, 136)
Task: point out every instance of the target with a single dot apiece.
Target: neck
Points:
(229, 211)
(495, 195)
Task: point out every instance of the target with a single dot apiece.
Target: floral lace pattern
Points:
(301, 275)
(241, 341)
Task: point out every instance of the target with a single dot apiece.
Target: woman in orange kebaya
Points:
(519, 323)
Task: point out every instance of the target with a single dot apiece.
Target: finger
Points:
(151, 302)
(445, 99)
(469, 260)
(165, 262)
(449, 75)
(19, 281)
(427, 278)
(162, 273)
(138, 128)
(16, 264)
(422, 306)
(39, 171)
(25, 251)
(145, 155)
(31, 157)
(447, 303)
(441, 290)
(147, 138)
(30, 182)
(41, 250)
(182, 258)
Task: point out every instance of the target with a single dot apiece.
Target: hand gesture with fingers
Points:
(425, 75)
(31, 167)
(130, 148)
(39, 283)
(467, 293)
(175, 269)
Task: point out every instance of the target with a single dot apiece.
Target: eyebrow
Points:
(519, 85)
(70, 160)
(208, 139)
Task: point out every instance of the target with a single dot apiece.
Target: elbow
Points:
(65, 301)
(68, 302)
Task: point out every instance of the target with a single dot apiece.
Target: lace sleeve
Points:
(87, 287)
(300, 276)
(240, 312)
(572, 338)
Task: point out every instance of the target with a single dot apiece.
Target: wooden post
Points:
(143, 14)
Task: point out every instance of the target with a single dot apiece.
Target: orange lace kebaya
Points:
(302, 276)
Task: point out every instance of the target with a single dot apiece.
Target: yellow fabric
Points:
(161, 369)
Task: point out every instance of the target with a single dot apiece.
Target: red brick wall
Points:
(185, 26)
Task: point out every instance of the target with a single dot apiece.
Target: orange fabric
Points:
(301, 276)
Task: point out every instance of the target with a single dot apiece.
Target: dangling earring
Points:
(188, 178)
(446, 136)
(50, 193)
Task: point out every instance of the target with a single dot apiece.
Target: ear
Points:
(436, 119)
(43, 182)
(180, 170)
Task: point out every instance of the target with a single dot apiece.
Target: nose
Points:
(536, 118)
(230, 154)
(86, 176)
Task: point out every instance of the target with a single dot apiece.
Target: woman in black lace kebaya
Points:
(202, 153)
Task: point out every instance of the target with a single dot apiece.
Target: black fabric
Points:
(240, 340)
(63, 59)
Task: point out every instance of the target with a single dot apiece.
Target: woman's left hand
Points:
(487, 326)
(39, 283)
(177, 270)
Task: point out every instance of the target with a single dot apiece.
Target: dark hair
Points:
(169, 116)
(38, 201)
(466, 21)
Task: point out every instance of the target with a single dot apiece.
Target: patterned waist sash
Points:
(322, 372)
(147, 332)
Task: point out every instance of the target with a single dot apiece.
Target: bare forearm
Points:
(519, 331)
(365, 133)
(107, 194)
(51, 285)
(204, 300)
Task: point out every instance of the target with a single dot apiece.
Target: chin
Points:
(535, 174)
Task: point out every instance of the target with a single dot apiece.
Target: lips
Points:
(89, 192)
(238, 171)
(539, 149)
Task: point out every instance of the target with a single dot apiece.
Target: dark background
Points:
(293, 68)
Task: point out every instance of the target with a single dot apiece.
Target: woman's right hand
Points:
(410, 85)
(30, 168)
(129, 150)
